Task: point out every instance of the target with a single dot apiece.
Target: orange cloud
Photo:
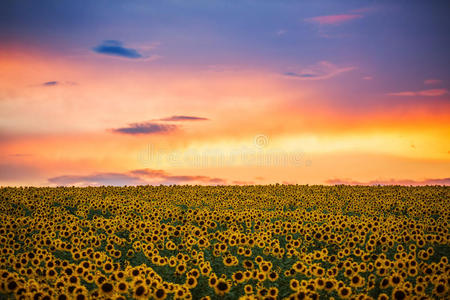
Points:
(436, 181)
(333, 19)
(427, 93)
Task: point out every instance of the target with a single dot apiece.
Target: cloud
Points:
(241, 182)
(288, 182)
(134, 177)
(189, 179)
(367, 78)
(322, 70)
(20, 154)
(184, 118)
(98, 179)
(50, 83)
(438, 181)
(281, 32)
(145, 128)
(149, 173)
(154, 128)
(53, 83)
(333, 19)
(432, 81)
(427, 93)
(115, 48)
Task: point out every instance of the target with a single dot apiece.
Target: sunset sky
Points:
(224, 92)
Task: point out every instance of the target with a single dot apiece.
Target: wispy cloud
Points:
(322, 70)
(281, 32)
(116, 48)
(145, 128)
(438, 181)
(432, 81)
(333, 19)
(427, 93)
(134, 177)
(20, 155)
(242, 182)
(184, 118)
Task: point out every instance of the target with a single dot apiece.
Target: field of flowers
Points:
(225, 242)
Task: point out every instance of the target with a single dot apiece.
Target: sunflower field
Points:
(225, 242)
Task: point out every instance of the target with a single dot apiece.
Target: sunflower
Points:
(222, 287)
(440, 289)
(248, 289)
(263, 292)
(260, 276)
(298, 267)
(191, 282)
(238, 277)
(329, 285)
(273, 292)
(160, 293)
(228, 261)
(395, 280)
(273, 276)
(399, 294)
(180, 269)
(356, 281)
(265, 267)
(294, 284)
(180, 293)
(140, 291)
(107, 288)
(344, 292)
(194, 272)
(122, 287)
(212, 281)
(247, 264)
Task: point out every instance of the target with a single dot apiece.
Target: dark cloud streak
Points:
(145, 128)
(50, 83)
(115, 48)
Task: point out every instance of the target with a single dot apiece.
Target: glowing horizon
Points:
(221, 93)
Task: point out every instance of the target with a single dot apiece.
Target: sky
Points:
(224, 92)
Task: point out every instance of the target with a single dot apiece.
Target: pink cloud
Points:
(242, 182)
(432, 81)
(427, 93)
(427, 181)
(334, 19)
(134, 177)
